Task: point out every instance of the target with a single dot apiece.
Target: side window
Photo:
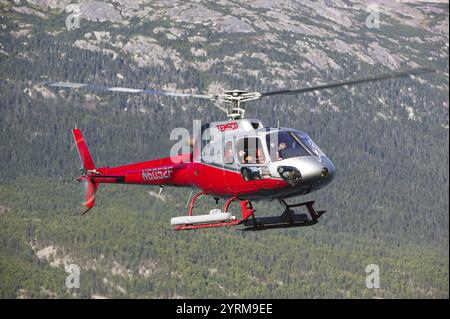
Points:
(228, 154)
(250, 151)
(213, 153)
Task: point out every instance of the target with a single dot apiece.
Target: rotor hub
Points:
(238, 98)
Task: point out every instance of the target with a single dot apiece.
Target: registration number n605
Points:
(156, 173)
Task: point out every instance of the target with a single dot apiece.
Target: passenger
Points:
(260, 156)
(250, 160)
(229, 153)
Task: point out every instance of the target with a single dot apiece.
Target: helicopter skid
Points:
(289, 218)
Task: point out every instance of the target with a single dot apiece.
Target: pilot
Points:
(281, 148)
(242, 156)
(273, 152)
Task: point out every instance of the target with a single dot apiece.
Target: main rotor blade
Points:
(94, 87)
(350, 82)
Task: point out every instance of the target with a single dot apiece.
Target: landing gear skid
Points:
(289, 218)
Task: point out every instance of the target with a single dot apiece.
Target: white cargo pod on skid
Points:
(213, 217)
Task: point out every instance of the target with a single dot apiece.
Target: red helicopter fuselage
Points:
(238, 160)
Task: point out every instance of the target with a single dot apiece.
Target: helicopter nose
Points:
(313, 171)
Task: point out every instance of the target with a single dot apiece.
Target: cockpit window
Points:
(308, 142)
(283, 145)
(250, 151)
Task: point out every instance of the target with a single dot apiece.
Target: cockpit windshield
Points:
(283, 145)
(309, 144)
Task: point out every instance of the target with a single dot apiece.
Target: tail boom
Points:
(163, 171)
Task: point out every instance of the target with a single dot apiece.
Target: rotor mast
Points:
(237, 98)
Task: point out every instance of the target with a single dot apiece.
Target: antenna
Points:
(161, 187)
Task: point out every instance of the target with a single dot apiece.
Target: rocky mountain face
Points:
(270, 44)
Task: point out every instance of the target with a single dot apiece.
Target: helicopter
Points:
(237, 159)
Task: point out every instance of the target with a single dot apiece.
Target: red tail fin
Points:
(83, 150)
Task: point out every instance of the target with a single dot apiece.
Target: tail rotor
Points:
(88, 169)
